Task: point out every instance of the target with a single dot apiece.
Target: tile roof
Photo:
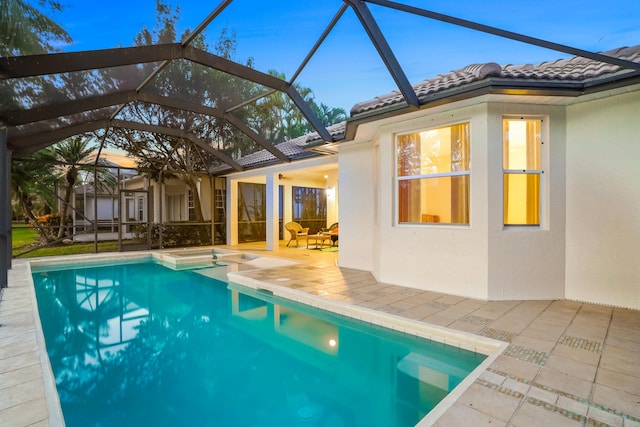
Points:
(295, 149)
(571, 70)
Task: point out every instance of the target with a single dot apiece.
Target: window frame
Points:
(451, 174)
(540, 172)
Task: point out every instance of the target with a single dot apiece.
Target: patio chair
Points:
(333, 230)
(296, 231)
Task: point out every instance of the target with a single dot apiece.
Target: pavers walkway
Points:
(567, 363)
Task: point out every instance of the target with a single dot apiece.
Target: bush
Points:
(48, 225)
(176, 235)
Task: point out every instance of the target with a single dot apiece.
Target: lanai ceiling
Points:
(137, 93)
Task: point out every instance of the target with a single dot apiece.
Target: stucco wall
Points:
(451, 259)
(603, 200)
(358, 240)
(527, 262)
(484, 260)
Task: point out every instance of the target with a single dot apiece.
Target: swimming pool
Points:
(141, 344)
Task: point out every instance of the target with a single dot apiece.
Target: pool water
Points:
(141, 344)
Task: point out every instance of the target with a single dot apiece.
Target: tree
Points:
(28, 30)
(328, 115)
(32, 184)
(166, 156)
(278, 119)
(74, 156)
(275, 116)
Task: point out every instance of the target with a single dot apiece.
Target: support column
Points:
(5, 209)
(232, 212)
(273, 239)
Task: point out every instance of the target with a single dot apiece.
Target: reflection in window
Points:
(252, 212)
(522, 166)
(433, 172)
(310, 207)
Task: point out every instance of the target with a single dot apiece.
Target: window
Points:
(175, 208)
(433, 175)
(522, 168)
(252, 212)
(140, 208)
(310, 207)
(191, 207)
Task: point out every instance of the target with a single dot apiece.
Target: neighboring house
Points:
(172, 202)
(509, 182)
(176, 205)
(87, 201)
(102, 204)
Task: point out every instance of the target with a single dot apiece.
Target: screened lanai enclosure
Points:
(225, 89)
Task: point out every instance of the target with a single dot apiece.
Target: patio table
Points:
(318, 238)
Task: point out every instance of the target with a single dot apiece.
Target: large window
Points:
(310, 207)
(252, 212)
(433, 175)
(522, 167)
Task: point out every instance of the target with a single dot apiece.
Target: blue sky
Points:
(277, 34)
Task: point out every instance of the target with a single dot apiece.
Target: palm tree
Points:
(32, 181)
(75, 155)
(328, 115)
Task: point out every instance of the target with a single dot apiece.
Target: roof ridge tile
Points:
(482, 71)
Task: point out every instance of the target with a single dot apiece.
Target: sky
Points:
(278, 34)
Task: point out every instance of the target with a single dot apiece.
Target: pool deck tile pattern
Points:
(567, 363)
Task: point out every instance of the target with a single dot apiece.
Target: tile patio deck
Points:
(567, 363)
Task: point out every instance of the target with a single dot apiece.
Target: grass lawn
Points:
(76, 248)
(23, 237)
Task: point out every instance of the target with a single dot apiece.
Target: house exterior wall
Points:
(527, 261)
(359, 241)
(603, 199)
(332, 197)
(445, 258)
(107, 208)
(483, 260)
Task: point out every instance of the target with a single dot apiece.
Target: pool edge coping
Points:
(54, 408)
